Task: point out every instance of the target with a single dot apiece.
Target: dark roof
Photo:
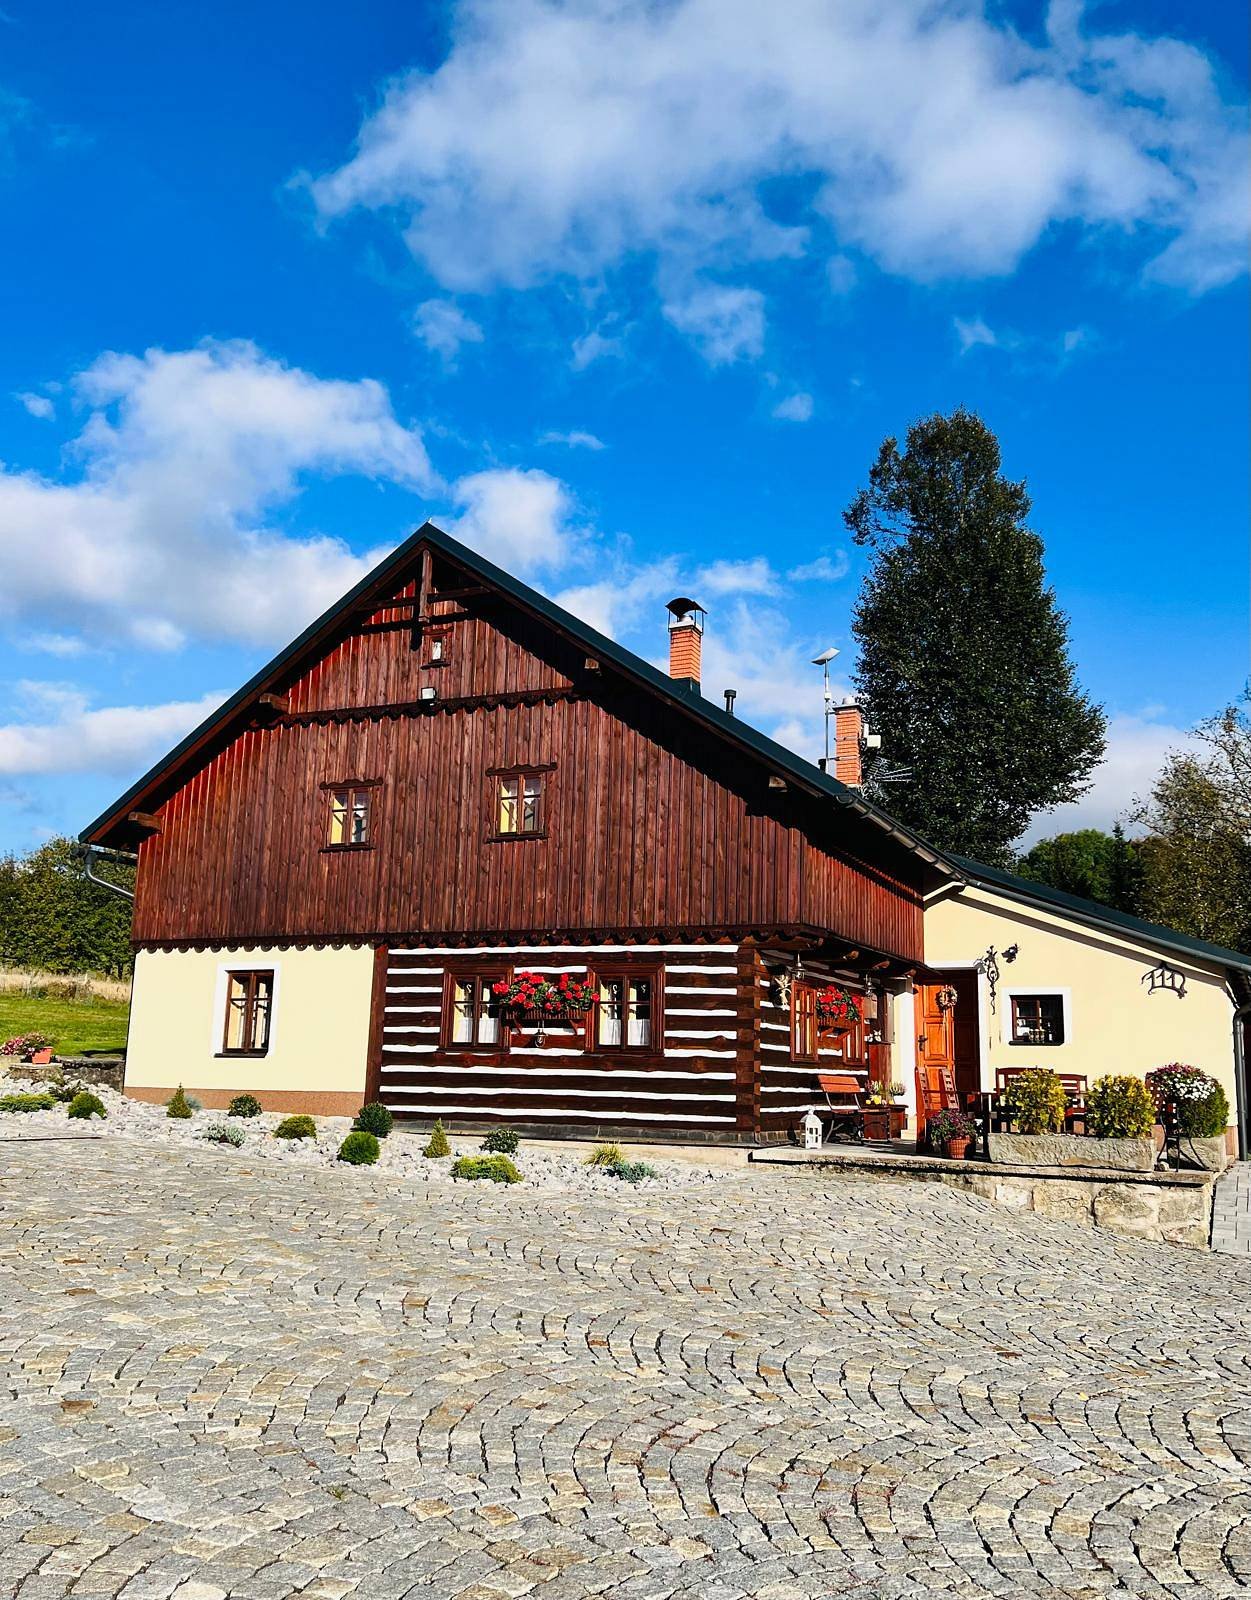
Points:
(689, 701)
(1092, 911)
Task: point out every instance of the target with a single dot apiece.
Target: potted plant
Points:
(951, 1133)
(35, 1048)
(534, 999)
(838, 1010)
(1195, 1111)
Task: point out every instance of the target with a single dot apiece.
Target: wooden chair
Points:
(843, 1102)
(1074, 1085)
(936, 1091)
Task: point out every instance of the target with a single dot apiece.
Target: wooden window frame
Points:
(252, 975)
(353, 787)
(479, 974)
(628, 970)
(1059, 996)
(428, 637)
(799, 1022)
(495, 777)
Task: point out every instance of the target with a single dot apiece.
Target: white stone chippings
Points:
(136, 1120)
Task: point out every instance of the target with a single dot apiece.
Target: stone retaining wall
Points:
(1168, 1207)
(92, 1070)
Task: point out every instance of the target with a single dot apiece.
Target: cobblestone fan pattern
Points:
(1231, 1211)
(227, 1379)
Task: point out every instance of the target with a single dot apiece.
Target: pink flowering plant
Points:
(565, 995)
(1177, 1085)
(25, 1044)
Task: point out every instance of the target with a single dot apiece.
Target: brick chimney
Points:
(686, 637)
(848, 743)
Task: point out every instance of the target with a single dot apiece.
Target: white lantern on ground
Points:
(812, 1131)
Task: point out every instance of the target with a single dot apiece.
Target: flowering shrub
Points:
(837, 1007)
(25, 1044)
(1119, 1108)
(532, 991)
(1034, 1101)
(1193, 1099)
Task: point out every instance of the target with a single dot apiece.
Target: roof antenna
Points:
(731, 695)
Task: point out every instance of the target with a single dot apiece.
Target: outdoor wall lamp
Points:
(1011, 953)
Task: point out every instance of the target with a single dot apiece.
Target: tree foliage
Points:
(1091, 863)
(54, 919)
(1197, 851)
(964, 662)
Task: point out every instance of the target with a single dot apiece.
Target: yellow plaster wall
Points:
(1114, 1024)
(318, 1040)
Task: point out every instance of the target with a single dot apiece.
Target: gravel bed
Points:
(401, 1152)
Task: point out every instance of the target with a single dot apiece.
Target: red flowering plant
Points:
(564, 995)
(837, 1008)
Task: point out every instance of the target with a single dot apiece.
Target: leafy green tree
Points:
(1197, 853)
(54, 919)
(964, 661)
(1088, 862)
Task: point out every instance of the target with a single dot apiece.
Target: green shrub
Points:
(178, 1105)
(606, 1155)
(359, 1149)
(63, 1092)
(296, 1128)
(1204, 1118)
(87, 1104)
(223, 1133)
(632, 1171)
(1119, 1108)
(438, 1145)
(27, 1102)
(494, 1169)
(375, 1119)
(196, 1105)
(501, 1142)
(244, 1105)
(1034, 1101)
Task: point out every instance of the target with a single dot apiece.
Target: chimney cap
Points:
(683, 609)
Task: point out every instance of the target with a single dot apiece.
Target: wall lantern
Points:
(1166, 978)
(812, 1131)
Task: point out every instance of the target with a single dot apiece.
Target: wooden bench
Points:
(844, 1103)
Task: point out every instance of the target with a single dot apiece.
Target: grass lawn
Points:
(73, 1025)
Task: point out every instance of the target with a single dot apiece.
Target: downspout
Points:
(90, 850)
(1241, 1013)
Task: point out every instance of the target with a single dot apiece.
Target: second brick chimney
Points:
(686, 637)
(848, 743)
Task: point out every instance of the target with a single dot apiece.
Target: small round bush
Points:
(87, 1104)
(244, 1105)
(178, 1105)
(633, 1171)
(223, 1133)
(1206, 1118)
(438, 1146)
(490, 1169)
(1034, 1101)
(606, 1155)
(501, 1142)
(359, 1149)
(296, 1128)
(375, 1119)
(27, 1102)
(1119, 1108)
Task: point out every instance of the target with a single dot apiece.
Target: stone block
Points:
(1064, 1202)
(1071, 1150)
(1128, 1208)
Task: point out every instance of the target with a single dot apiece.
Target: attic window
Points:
(350, 817)
(438, 647)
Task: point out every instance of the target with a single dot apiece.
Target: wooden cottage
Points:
(354, 878)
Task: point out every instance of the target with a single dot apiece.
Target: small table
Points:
(884, 1123)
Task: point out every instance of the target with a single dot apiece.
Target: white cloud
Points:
(520, 517)
(1137, 745)
(822, 569)
(562, 138)
(973, 332)
(72, 737)
(626, 598)
(751, 576)
(53, 644)
(795, 408)
(592, 347)
(443, 327)
(576, 440)
(37, 404)
(164, 536)
(726, 323)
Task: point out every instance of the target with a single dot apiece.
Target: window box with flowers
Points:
(838, 1010)
(532, 1001)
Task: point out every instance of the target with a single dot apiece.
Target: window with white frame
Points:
(1037, 1019)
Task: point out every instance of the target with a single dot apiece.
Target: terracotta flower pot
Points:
(41, 1058)
(958, 1149)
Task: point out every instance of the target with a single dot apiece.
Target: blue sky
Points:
(626, 295)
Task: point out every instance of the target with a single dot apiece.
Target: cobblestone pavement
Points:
(1231, 1211)
(223, 1379)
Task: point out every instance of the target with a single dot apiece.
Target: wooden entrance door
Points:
(936, 1051)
